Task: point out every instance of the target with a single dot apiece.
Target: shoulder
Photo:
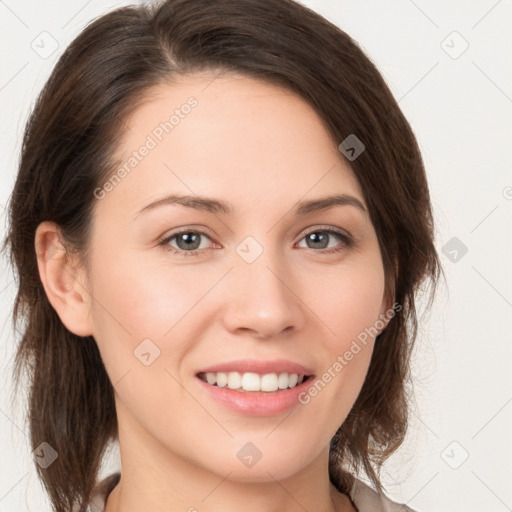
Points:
(367, 499)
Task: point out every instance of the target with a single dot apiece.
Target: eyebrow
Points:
(217, 206)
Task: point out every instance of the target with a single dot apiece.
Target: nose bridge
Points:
(262, 300)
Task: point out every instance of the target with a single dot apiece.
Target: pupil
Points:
(189, 239)
(316, 238)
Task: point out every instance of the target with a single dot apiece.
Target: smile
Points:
(255, 388)
(250, 381)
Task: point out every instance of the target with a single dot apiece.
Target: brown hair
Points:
(67, 151)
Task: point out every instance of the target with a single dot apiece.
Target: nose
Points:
(263, 299)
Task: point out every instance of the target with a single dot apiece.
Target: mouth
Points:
(251, 382)
(255, 387)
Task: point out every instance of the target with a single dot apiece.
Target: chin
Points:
(259, 465)
(263, 473)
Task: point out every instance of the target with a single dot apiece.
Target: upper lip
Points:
(258, 366)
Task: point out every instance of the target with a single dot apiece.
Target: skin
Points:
(262, 149)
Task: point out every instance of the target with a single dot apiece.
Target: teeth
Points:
(211, 378)
(269, 382)
(221, 379)
(253, 381)
(250, 382)
(234, 380)
(282, 380)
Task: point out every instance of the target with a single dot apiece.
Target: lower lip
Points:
(258, 403)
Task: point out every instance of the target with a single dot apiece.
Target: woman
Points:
(268, 371)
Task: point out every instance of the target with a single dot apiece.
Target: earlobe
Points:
(62, 281)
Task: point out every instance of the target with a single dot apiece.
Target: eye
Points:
(318, 239)
(188, 242)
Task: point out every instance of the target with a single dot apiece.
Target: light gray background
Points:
(458, 454)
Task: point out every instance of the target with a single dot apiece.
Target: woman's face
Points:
(256, 284)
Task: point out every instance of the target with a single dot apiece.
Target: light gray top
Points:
(363, 497)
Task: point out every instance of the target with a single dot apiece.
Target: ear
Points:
(63, 282)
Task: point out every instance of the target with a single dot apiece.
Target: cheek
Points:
(146, 314)
(139, 317)
(351, 302)
(350, 312)
(140, 301)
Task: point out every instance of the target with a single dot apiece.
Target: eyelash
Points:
(346, 240)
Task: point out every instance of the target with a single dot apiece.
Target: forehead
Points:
(227, 136)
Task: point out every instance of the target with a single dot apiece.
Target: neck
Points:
(122, 498)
